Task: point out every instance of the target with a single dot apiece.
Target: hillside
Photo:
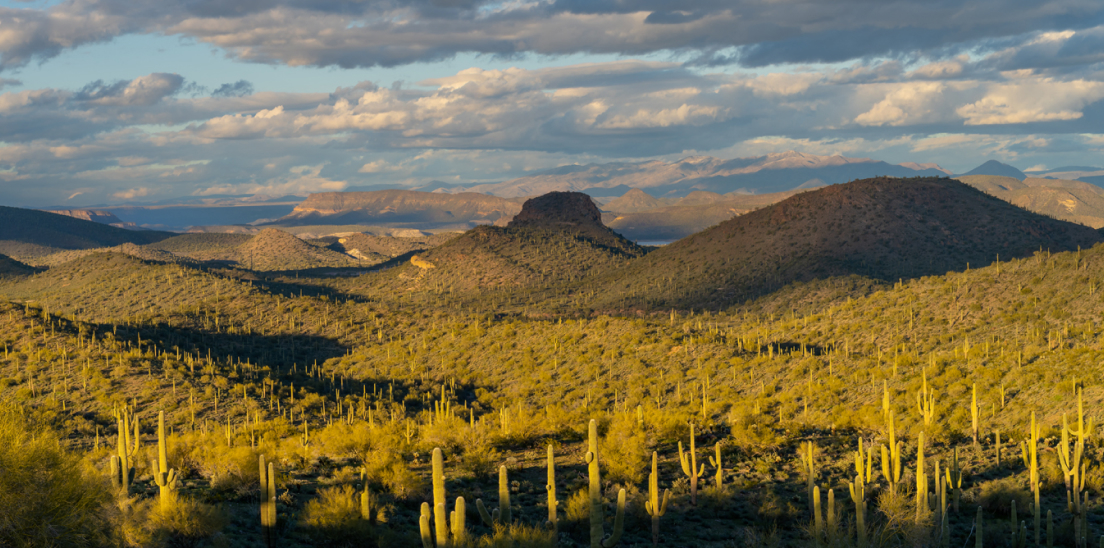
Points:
(555, 239)
(360, 244)
(1068, 200)
(405, 208)
(275, 250)
(10, 267)
(879, 228)
(27, 233)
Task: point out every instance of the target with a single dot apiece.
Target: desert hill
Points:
(879, 228)
(555, 239)
(401, 208)
(274, 250)
(1069, 200)
(634, 201)
(360, 244)
(26, 233)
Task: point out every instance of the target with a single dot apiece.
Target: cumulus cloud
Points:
(240, 88)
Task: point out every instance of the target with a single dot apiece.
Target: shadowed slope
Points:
(880, 228)
(31, 233)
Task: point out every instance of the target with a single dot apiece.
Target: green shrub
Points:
(334, 517)
(46, 497)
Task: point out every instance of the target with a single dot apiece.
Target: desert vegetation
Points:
(148, 403)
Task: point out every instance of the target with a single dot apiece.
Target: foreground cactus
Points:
(162, 474)
(655, 508)
(122, 473)
(502, 513)
(858, 496)
(690, 466)
(597, 515)
(891, 456)
(553, 504)
(268, 502)
(808, 466)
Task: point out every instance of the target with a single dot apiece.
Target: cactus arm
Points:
(423, 522)
(618, 522)
(487, 518)
(459, 522)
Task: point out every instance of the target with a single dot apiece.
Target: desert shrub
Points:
(186, 523)
(388, 468)
(996, 496)
(46, 497)
(624, 453)
(479, 458)
(518, 536)
(334, 516)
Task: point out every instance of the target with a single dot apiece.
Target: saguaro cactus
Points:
(891, 457)
(1030, 452)
(440, 505)
(597, 515)
(716, 463)
(689, 461)
(162, 475)
(553, 504)
(268, 502)
(502, 513)
(807, 452)
(858, 496)
(954, 479)
(655, 508)
(122, 473)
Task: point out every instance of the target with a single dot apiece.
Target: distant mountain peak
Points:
(993, 167)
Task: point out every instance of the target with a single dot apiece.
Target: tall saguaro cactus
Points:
(654, 506)
(268, 502)
(162, 474)
(1030, 452)
(502, 513)
(122, 473)
(689, 461)
(597, 515)
(808, 465)
(891, 456)
(553, 504)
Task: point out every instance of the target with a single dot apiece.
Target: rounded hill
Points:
(883, 228)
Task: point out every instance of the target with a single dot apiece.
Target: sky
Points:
(141, 101)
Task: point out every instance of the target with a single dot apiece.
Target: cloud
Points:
(240, 88)
(142, 91)
(132, 193)
(755, 33)
(1033, 100)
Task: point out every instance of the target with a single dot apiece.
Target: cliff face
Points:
(104, 217)
(401, 206)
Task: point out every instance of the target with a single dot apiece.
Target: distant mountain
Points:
(1073, 201)
(96, 216)
(993, 167)
(765, 174)
(679, 221)
(401, 208)
(27, 233)
(633, 201)
(879, 228)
